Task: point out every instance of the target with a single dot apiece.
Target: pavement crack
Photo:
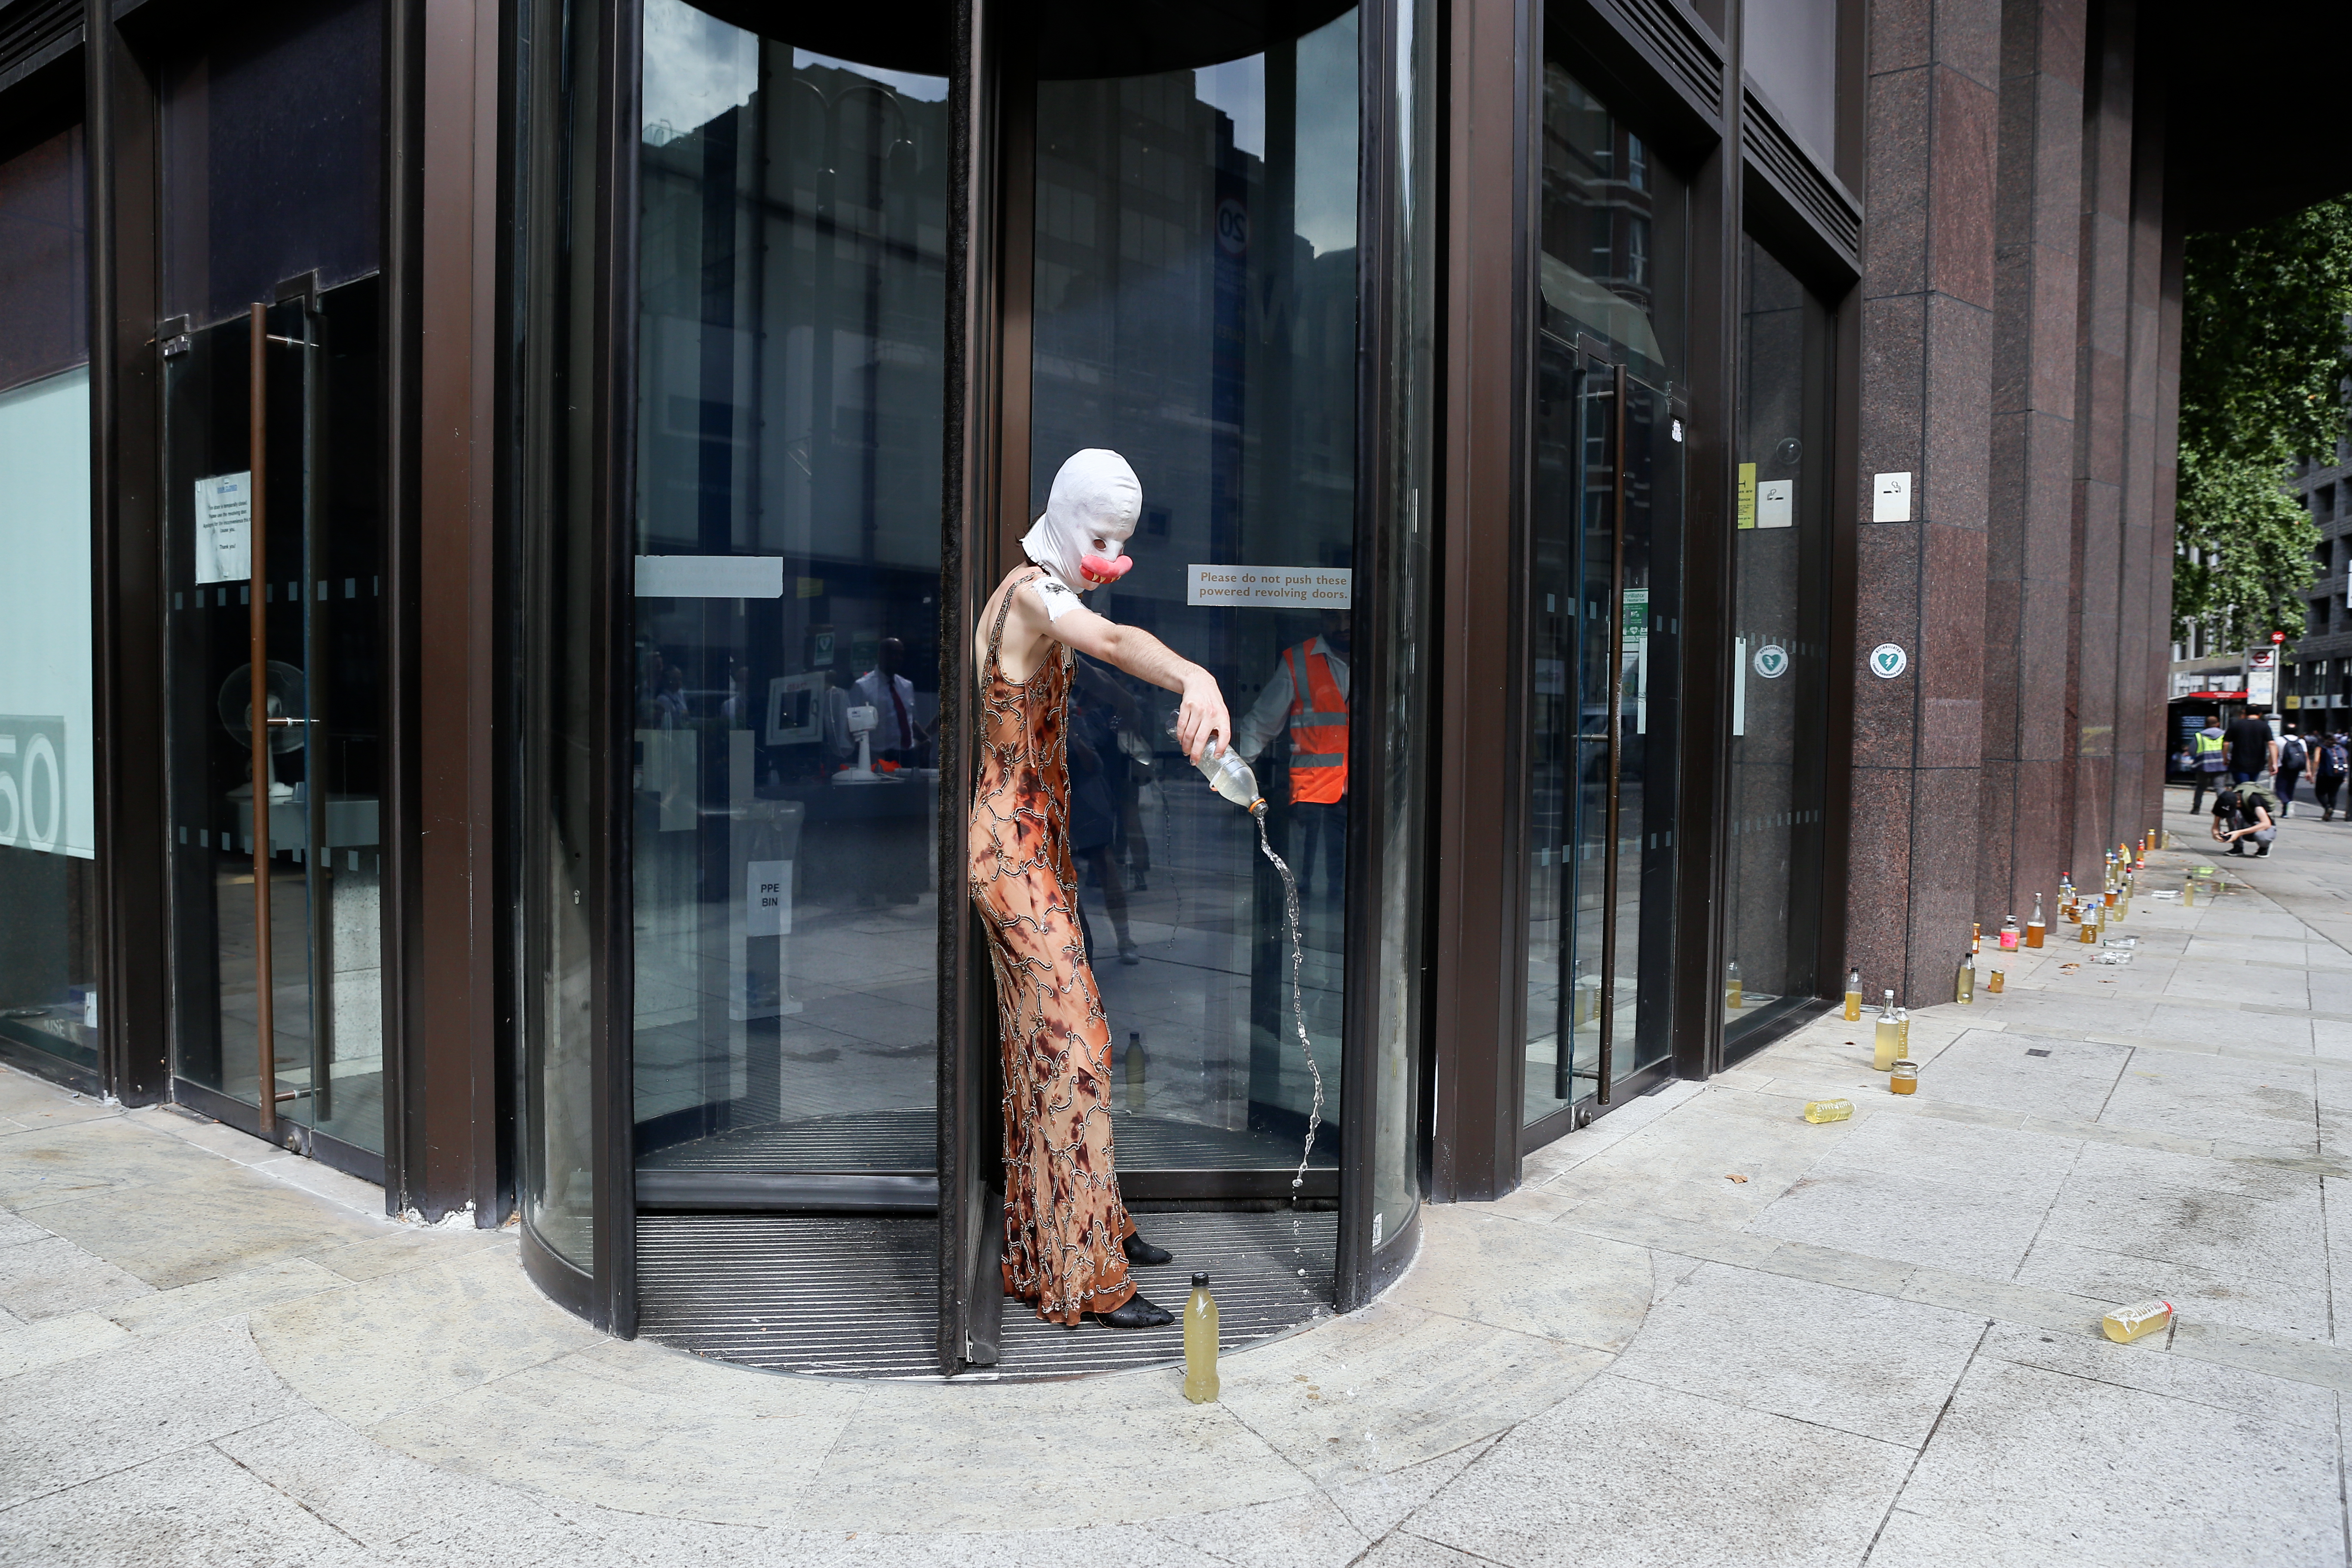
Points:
(214, 1445)
(1933, 1427)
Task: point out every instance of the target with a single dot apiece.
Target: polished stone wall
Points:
(2019, 343)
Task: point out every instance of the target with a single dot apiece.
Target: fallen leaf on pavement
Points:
(1736, 1178)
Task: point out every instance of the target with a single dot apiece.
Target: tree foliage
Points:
(2263, 359)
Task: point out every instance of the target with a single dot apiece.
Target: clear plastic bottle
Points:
(1886, 1042)
(2009, 934)
(2034, 929)
(1731, 989)
(1201, 1343)
(2138, 1322)
(1964, 984)
(1136, 1071)
(1902, 1032)
(1853, 995)
(1820, 1110)
(1228, 775)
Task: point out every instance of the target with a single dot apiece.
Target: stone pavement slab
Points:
(1702, 1331)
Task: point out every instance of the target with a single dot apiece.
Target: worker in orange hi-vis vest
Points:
(1308, 695)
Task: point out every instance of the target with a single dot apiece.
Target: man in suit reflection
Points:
(897, 737)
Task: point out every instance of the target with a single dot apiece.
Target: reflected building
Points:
(488, 668)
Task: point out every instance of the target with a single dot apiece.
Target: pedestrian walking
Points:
(2254, 750)
(2210, 761)
(2329, 765)
(2294, 756)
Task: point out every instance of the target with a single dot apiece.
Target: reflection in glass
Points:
(561, 709)
(787, 544)
(1612, 267)
(1775, 750)
(1195, 311)
(322, 582)
(1604, 605)
(1402, 557)
(48, 827)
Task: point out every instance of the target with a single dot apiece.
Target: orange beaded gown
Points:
(1064, 1221)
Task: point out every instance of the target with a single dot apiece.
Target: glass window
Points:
(787, 544)
(273, 151)
(49, 819)
(1612, 262)
(1775, 750)
(1788, 47)
(1603, 608)
(1195, 311)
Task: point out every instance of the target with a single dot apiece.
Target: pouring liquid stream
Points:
(1232, 778)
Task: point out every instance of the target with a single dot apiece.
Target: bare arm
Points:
(1141, 655)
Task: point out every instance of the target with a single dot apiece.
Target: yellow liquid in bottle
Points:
(1820, 1110)
(1201, 1343)
(1886, 1045)
(1853, 1006)
(2138, 1322)
(2033, 934)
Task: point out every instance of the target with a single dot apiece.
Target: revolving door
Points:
(762, 1060)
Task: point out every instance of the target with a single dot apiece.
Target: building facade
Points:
(1713, 460)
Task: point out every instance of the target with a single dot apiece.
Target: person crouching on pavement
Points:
(2246, 811)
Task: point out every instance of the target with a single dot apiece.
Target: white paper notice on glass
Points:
(1270, 587)
(768, 897)
(1776, 503)
(223, 528)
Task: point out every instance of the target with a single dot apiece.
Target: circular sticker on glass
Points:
(1887, 661)
(1771, 661)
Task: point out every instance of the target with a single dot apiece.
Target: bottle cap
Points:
(1199, 1281)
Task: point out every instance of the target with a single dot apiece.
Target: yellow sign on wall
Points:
(1746, 495)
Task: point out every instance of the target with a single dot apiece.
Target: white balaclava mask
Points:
(1082, 538)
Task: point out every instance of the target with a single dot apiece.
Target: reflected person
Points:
(1068, 1240)
(1308, 695)
(897, 737)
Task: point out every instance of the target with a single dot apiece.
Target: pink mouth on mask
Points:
(1098, 572)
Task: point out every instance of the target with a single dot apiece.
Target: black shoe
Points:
(1138, 1313)
(1143, 1254)
(2264, 853)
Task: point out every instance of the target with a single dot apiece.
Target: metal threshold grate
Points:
(859, 1297)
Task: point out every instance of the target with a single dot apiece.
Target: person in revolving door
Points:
(1068, 1239)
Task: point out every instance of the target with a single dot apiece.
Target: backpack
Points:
(2291, 753)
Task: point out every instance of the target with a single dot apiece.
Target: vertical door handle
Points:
(264, 994)
(1614, 659)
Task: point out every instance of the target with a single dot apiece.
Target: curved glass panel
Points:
(1403, 546)
(1195, 311)
(785, 798)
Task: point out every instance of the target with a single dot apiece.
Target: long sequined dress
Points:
(1064, 1221)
